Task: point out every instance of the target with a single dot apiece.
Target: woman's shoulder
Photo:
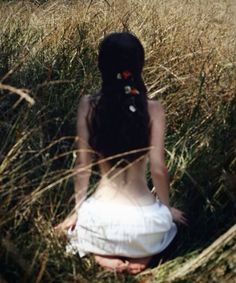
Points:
(155, 109)
(84, 100)
(87, 100)
(86, 105)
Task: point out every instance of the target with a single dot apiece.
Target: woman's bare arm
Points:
(83, 156)
(82, 164)
(158, 168)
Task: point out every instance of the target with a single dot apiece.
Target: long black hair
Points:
(120, 121)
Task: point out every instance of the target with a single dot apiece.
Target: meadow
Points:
(48, 53)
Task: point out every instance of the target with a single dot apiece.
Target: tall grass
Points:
(48, 53)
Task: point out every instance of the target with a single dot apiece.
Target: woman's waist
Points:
(125, 194)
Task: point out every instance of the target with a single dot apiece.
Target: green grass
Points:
(48, 53)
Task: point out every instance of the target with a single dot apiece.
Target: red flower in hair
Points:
(126, 74)
(134, 91)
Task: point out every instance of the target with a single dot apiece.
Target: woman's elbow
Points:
(83, 168)
(160, 170)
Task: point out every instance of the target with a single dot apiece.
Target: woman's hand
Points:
(178, 216)
(68, 223)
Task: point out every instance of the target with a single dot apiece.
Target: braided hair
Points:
(120, 121)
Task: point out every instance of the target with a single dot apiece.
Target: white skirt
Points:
(123, 230)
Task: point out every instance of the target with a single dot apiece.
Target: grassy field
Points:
(48, 52)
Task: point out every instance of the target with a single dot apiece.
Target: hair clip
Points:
(124, 75)
(133, 91)
(128, 89)
(132, 108)
(119, 76)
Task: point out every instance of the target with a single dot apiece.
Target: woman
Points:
(122, 223)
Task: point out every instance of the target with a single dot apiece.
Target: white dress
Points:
(107, 228)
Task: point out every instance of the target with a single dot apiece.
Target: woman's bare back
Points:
(125, 185)
(129, 185)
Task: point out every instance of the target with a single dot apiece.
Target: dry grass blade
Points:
(22, 93)
(42, 268)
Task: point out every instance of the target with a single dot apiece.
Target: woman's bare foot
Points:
(131, 265)
(137, 265)
(110, 263)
